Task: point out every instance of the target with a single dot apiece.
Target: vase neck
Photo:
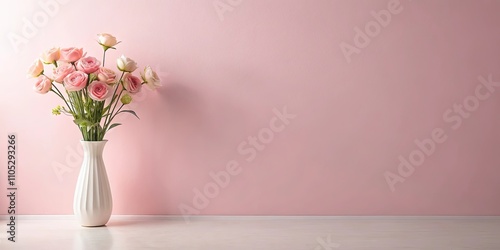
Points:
(93, 148)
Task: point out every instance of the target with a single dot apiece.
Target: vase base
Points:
(94, 225)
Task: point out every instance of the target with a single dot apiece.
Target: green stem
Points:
(118, 111)
(80, 111)
(113, 99)
(98, 113)
(114, 107)
(58, 93)
(116, 88)
(113, 117)
(104, 57)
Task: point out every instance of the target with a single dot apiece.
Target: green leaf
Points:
(131, 112)
(83, 122)
(114, 125)
(105, 110)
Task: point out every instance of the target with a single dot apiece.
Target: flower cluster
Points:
(90, 91)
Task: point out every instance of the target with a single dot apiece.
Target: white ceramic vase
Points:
(93, 202)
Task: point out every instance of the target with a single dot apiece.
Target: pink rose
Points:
(131, 83)
(71, 54)
(35, 69)
(106, 75)
(51, 55)
(98, 91)
(62, 71)
(42, 84)
(75, 81)
(88, 64)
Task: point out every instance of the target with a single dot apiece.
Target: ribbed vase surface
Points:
(93, 202)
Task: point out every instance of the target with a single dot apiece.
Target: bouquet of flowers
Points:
(92, 94)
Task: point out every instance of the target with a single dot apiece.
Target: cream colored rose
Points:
(107, 40)
(126, 64)
(50, 56)
(150, 77)
(35, 69)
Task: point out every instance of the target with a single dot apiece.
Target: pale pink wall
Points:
(226, 75)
